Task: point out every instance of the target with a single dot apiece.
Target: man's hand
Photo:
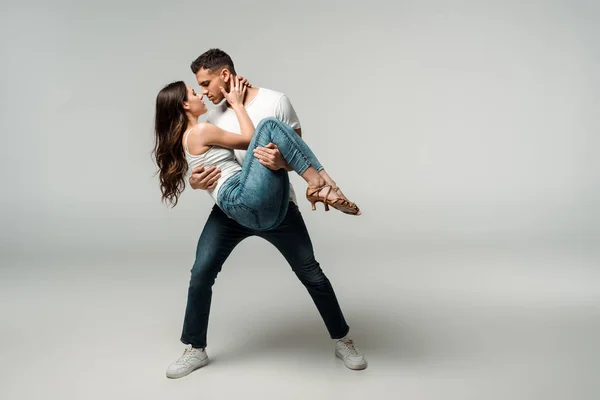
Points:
(204, 179)
(270, 157)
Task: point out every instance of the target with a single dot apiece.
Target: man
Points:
(214, 70)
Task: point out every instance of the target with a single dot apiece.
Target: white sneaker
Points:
(191, 360)
(352, 357)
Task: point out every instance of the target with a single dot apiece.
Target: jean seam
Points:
(307, 164)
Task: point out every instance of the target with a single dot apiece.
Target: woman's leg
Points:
(259, 197)
(293, 149)
(255, 178)
(321, 187)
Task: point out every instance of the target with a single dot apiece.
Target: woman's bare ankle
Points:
(328, 179)
(317, 182)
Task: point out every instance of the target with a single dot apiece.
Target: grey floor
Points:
(453, 321)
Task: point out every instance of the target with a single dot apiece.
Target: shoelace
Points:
(187, 354)
(348, 345)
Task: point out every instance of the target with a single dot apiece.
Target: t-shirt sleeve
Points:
(286, 113)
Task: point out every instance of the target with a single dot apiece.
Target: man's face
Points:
(211, 81)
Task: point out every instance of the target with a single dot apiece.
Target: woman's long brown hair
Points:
(169, 127)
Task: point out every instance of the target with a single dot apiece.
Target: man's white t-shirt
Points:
(267, 103)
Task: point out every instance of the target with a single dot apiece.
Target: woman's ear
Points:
(186, 105)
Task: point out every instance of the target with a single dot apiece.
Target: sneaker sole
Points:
(185, 373)
(349, 365)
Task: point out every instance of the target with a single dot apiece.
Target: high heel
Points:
(313, 197)
(345, 206)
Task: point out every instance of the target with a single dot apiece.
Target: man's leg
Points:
(219, 237)
(292, 240)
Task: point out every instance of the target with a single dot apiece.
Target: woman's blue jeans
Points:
(258, 197)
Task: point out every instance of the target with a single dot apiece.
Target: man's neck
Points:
(250, 95)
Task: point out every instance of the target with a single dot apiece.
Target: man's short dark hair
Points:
(212, 60)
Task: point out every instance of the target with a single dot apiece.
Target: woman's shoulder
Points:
(196, 133)
(202, 127)
(195, 140)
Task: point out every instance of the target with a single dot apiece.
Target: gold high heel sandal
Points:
(345, 206)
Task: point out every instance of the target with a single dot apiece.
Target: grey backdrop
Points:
(453, 120)
(461, 128)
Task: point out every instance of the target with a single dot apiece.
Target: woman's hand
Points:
(245, 81)
(237, 91)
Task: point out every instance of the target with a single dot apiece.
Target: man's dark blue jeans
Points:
(219, 237)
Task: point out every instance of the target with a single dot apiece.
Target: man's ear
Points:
(225, 75)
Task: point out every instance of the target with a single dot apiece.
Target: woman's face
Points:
(194, 103)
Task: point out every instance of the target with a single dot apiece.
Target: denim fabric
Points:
(257, 197)
(218, 239)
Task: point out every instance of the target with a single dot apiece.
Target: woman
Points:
(252, 194)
